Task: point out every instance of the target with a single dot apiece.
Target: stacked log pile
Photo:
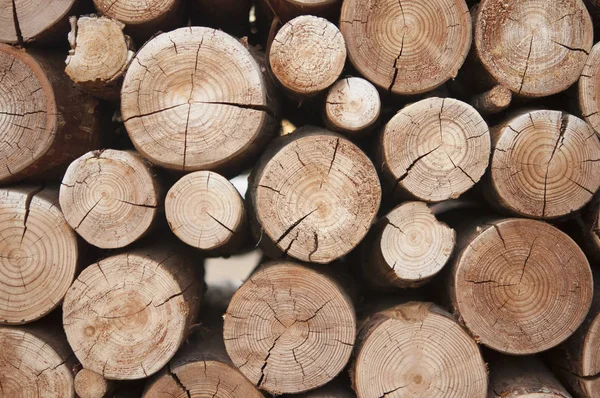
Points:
(420, 177)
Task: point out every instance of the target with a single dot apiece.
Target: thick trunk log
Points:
(589, 90)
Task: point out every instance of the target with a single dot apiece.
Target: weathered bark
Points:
(89, 384)
(495, 100)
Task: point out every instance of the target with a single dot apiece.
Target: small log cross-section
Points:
(417, 350)
(307, 55)
(520, 286)
(110, 198)
(206, 211)
(195, 98)
(89, 384)
(534, 48)
(352, 107)
(312, 196)
(434, 149)
(589, 90)
(495, 100)
(545, 164)
(126, 316)
(407, 247)
(38, 254)
(290, 328)
(407, 47)
(99, 55)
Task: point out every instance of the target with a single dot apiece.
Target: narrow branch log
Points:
(89, 384)
(589, 90)
(492, 101)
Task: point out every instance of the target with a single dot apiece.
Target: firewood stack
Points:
(420, 177)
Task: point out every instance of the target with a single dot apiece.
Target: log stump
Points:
(495, 100)
(307, 55)
(45, 121)
(89, 384)
(290, 328)
(38, 254)
(407, 247)
(126, 316)
(519, 286)
(111, 198)
(544, 164)
(433, 150)
(534, 48)
(195, 99)
(99, 56)
(206, 211)
(407, 47)
(352, 107)
(312, 196)
(589, 90)
(417, 349)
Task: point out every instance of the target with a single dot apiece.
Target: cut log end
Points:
(132, 12)
(493, 101)
(307, 55)
(298, 341)
(417, 349)
(89, 384)
(110, 197)
(589, 90)
(206, 211)
(434, 149)
(38, 254)
(408, 47)
(544, 164)
(352, 106)
(507, 277)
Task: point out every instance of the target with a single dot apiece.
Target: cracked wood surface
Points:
(589, 90)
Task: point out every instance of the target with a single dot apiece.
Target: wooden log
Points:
(407, 47)
(588, 229)
(307, 55)
(337, 388)
(416, 349)
(111, 198)
(493, 101)
(589, 90)
(126, 316)
(89, 384)
(99, 56)
(284, 10)
(313, 196)
(25, 22)
(352, 107)
(195, 99)
(46, 121)
(544, 164)
(38, 253)
(290, 328)
(407, 247)
(519, 286)
(534, 48)
(433, 150)
(35, 361)
(523, 377)
(231, 16)
(207, 212)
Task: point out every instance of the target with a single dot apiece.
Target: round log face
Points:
(136, 12)
(590, 361)
(38, 255)
(289, 329)
(352, 106)
(193, 99)
(589, 90)
(417, 350)
(522, 286)
(407, 47)
(91, 385)
(533, 47)
(28, 127)
(30, 367)
(317, 197)
(32, 19)
(544, 164)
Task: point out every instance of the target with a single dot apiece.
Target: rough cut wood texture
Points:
(313, 196)
(89, 384)
(289, 328)
(407, 47)
(352, 107)
(544, 164)
(206, 211)
(45, 121)
(495, 100)
(589, 90)
(407, 247)
(307, 55)
(126, 316)
(35, 361)
(588, 224)
(38, 253)
(417, 350)
(195, 98)
(26, 21)
(111, 198)
(520, 286)
(434, 149)
(99, 56)
(533, 47)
